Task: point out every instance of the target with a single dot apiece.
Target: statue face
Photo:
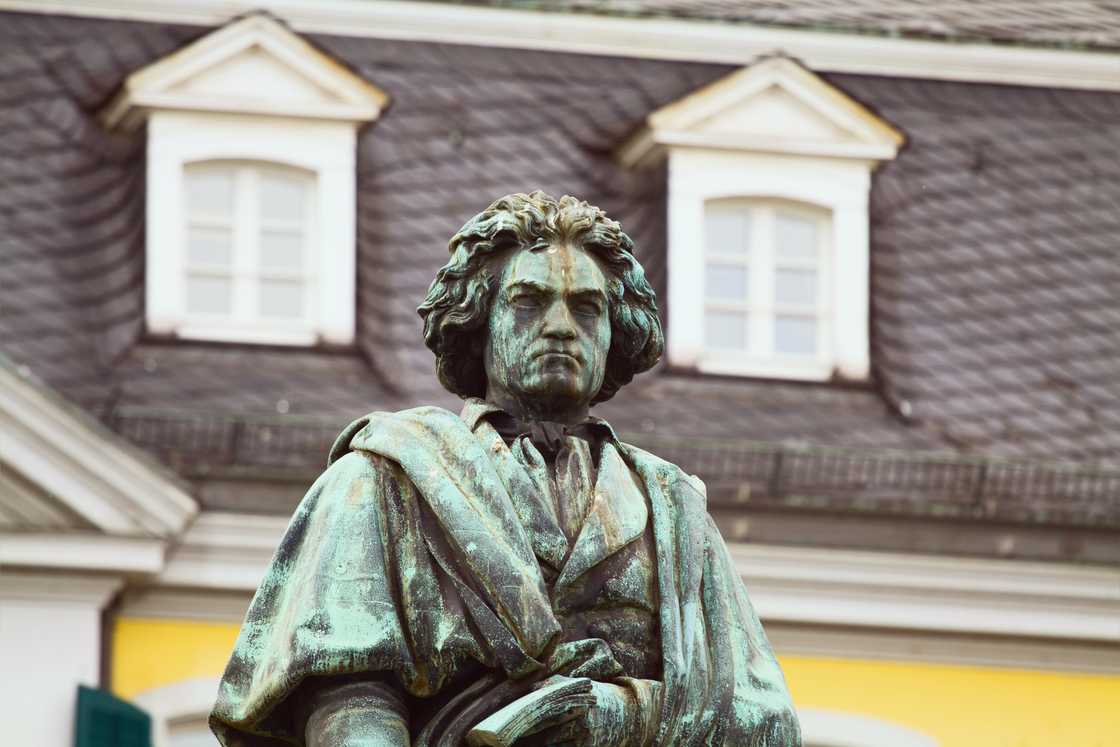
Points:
(549, 331)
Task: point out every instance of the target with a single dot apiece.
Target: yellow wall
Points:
(150, 653)
(965, 706)
(959, 706)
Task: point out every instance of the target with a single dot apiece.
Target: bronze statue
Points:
(513, 574)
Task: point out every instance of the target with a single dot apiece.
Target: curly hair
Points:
(457, 308)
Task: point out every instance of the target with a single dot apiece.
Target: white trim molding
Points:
(648, 38)
(770, 132)
(825, 728)
(257, 94)
(191, 699)
(919, 592)
(86, 467)
(230, 552)
(936, 647)
(161, 603)
(86, 552)
(224, 551)
(86, 591)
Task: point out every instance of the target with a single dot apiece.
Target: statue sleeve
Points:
(368, 712)
(351, 591)
(757, 706)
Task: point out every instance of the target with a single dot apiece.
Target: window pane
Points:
(795, 334)
(796, 286)
(209, 295)
(796, 237)
(209, 246)
(210, 191)
(283, 196)
(726, 229)
(726, 329)
(726, 282)
(282, 250)
(281, 298)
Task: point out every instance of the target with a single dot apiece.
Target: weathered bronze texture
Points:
(514, 574)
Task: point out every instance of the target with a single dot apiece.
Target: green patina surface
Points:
(445, 565)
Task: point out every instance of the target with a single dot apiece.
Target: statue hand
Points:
(610, 722)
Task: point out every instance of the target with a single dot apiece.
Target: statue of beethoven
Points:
(514, 573)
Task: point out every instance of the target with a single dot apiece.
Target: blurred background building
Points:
(884, 236)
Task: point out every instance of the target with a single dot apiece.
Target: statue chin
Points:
(558, 391)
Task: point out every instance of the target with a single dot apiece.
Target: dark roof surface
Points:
(1065, 23)
(995, 267)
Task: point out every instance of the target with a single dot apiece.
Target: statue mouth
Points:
(559, 354)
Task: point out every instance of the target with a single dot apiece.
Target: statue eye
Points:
(587, 308)
(525, 301)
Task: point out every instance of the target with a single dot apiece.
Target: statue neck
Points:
(537, 408)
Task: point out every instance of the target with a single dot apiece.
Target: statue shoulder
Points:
(373, 425)
(666, 472)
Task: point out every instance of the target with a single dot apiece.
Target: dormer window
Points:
(769, 176)
(251, 186)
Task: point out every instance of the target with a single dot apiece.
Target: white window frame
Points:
(246, 270)
(838, 187)
(760, 305)
(324, 149)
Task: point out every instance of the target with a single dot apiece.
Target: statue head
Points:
(542, 301)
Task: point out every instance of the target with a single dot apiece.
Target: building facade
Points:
(886, 257)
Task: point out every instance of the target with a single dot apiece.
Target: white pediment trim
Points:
(63, 452)
(253, 66)
(772, 106)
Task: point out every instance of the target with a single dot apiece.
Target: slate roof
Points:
(995, 280)
(1064, 23)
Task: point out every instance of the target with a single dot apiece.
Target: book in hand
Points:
(556, 697)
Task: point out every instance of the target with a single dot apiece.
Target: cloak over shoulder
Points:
(408, 560)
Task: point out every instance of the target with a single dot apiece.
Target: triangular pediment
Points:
(775, 105)
(252, 66)
(62, 470)
(773, 112)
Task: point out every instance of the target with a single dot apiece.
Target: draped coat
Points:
(414, 558)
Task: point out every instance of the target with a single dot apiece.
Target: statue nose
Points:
(558, 322)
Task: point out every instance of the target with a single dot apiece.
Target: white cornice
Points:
(85, 552)
(224, 551)
(650, 38)
(85, 591)
(213, 605)
(963, 595)
(812, 586)
(931, 646)
(85, 466)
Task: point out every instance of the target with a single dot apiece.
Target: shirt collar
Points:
(476, 409)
